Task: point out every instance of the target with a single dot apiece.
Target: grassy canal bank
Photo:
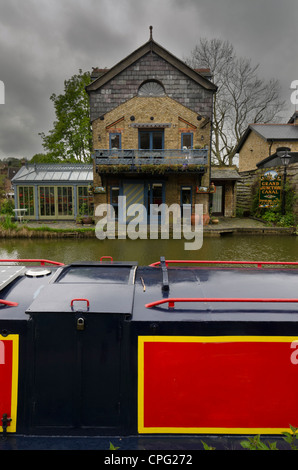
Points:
(70, 229)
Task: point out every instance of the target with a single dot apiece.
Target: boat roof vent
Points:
(37, 272)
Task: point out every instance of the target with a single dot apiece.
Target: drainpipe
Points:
(270, 147)
(210, 153)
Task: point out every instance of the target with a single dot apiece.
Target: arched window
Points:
(151, 88)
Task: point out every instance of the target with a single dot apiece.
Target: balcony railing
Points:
(147, 157)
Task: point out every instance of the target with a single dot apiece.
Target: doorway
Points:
(155, 197)
(218, 201)
(55, 202)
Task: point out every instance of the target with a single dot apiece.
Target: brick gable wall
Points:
(163, 110)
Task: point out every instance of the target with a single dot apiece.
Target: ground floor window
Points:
(26, 199)
(64, 196)
(186, 198)
(55, 201)
(47, 201)
(114, 199)
(85, 201)
(156, 195)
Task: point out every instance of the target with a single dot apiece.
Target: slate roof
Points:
(282, 132)
(224, 174)
(64, 173)
(106, 75)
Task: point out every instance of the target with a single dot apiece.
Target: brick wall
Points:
(162, 110)
(174, 183)
(255, 149)
(230, 199)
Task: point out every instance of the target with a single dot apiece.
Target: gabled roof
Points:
(270, 132)
(151, 46)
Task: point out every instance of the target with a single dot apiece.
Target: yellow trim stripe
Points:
(14, 386)
(199, 339)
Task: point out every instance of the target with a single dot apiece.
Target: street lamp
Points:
(285, 160)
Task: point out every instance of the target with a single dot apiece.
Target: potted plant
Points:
(84, 216)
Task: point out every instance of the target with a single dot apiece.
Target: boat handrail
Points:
(171, 301)
(29, 260)
(259, 264)
(8, 303)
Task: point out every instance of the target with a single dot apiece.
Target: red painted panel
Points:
(6, 362)
(222, 385)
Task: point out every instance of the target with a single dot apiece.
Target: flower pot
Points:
(86, 220)
(195, 219)
(206, 219)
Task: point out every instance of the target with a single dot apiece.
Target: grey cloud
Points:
(43, 43)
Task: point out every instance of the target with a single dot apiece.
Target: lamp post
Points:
(285, 160)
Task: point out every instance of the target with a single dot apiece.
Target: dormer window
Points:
(151, 88)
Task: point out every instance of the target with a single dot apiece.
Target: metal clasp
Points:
(80, 324)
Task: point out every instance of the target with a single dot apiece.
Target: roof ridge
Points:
(272, 124)
(150, 46)
(58, 165)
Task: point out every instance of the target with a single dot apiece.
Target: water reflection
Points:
(232, 247)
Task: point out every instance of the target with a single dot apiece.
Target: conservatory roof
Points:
(66, 173)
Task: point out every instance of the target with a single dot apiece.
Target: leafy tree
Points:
(70, 139)
(43, 158)
(242, 97)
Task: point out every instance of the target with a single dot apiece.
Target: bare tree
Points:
(242, 97)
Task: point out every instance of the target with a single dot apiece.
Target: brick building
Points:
(258, 153)
(260, 141)
(151, 121)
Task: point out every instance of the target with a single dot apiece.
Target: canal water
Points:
(228, 247)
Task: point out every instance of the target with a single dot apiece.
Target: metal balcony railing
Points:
(147, 157)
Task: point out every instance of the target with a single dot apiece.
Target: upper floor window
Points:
(151, 140)
(186, 140)
(115, 141)
(151, 88)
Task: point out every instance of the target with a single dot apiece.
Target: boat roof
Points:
(155, 293)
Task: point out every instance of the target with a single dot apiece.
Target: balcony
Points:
(138, 158)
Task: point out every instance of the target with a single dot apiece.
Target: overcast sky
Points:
(44, 42)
